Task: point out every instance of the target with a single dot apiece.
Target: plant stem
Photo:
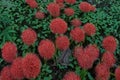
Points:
(112, 74)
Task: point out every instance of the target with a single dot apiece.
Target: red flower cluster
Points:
(84, 61)
(77, 34)
(89, 29)
(58, 25)
(93, 8)
(32, 3)
(117, 73)
(69, 11)
(62, 42)
(92, 51)
(29, 36)
(5, 74)
(9, 51)
(46, 49)
(86, 7)
(71, 76)
(70, 1)
(31, 66)
(78, 51)
(102, 72)
(76, 22)
(59, 1)
(108, 59)
(54, 9)
(40, 15)
(61, 5)
(87, 56)
(16, 69)
(109, 43)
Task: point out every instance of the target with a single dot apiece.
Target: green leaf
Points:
(83, 74)
(1, 60)
(90, 77)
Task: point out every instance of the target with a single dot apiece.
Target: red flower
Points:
(117, 73)
(16, 69)
(40, 15)
(31, 65)
(61, 5)
(46, 49)
(58, 26)
(9, 51)
(53, 9)
(87, 56)
(70, 1)
(109, 43)
(29, 36)
(108, 59)
(78, 51)
(69, 11)
(93, 8)
(71, 76)
(5, 74)
(59, 1)
(62, 42)
(84, 61)
(76, 22)
(32, 3)
(92, 51)
(89, 29)
(102, 72)
(77, 34)
(85, 6)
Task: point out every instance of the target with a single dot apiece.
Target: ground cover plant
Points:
(59, 39)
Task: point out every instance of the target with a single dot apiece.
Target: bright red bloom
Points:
(84, 61)
(5, 74)
(16, 69)
(108, 59)
(109, 43)
(78, 51)
(29, 36)
(31, 65)
(46, 49)
(40, 15)
(93, 8)
(77, 34)
(76, 22)
(69, 11)
(102, 72)
(70, 1)
(62, 42)
(32, 3)
(59, 1)
(117, 73)
(71, 76)
(89, 29)
(53, 9)
(61, 5)
(92, 51)
(9, 51)
(58, 25)
(87, 56)
(85, 6)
